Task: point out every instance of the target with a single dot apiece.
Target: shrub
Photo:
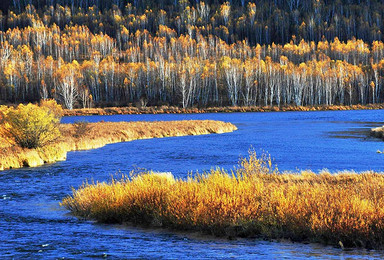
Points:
(81, 128)
(53, 107)
(31, 126)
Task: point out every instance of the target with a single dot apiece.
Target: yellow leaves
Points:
(208, 69)
(108, 62)
(117, 18)
(124, 31)
(9, 70)
(31, 126)
(352, 46)
(302, 67)
(283, 60)
(227, 62)
(166, 31)
(225, 9)
(25, 50)
(251, 9)
(143, 17)
(372, 84)
(87, 65)
(300, 49)
(126, 81)
(53, 108)
(67, 71)
(75, 64)
(377, 47)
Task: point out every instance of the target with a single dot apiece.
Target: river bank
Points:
(177, 110)
(96, 135)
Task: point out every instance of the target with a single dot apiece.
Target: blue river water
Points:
(34, 226)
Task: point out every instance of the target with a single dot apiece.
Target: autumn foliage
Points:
(255, 200)
(31, 126)
(192, 55)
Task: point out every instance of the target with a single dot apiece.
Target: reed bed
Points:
(255, 200)
(99, 134)
(229, 109)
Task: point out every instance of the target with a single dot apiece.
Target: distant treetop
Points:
(261, 21)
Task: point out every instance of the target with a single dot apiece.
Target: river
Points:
(34, 226)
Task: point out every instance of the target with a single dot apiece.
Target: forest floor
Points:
(95, 135)
(228, 109)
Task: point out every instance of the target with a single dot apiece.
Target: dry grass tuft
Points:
(253, 201)
(378, 132)
(100, 134)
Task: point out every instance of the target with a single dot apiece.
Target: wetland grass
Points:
(255, 200)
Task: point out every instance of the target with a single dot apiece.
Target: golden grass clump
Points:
(254, 200)
(96, 135)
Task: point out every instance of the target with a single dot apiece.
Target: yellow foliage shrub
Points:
(30, 126)
(53, 107)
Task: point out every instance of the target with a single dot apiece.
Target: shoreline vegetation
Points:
(96, 135)
(227, 109)
(255, 200)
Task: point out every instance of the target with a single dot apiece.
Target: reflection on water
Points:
(34, 226)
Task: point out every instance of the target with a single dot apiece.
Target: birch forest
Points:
(85, 53)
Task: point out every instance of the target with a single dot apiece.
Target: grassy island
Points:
(255, 200)
(85, 136)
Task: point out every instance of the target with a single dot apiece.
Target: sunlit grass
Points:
(255, 200)
(102, 133)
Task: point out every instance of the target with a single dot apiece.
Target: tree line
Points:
(122, 56)
(262, 21)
